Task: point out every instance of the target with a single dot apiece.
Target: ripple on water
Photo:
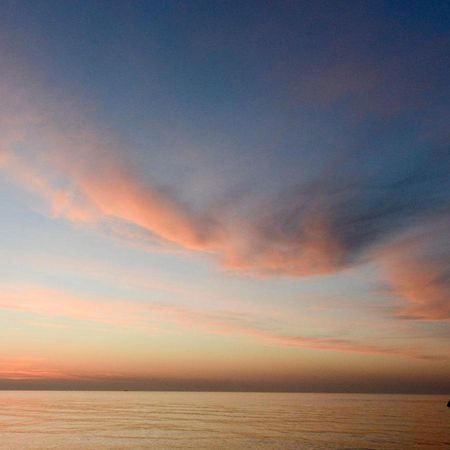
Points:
(169, 420)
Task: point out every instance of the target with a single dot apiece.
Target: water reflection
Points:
(190, 420)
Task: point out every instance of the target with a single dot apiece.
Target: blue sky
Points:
(263, 180)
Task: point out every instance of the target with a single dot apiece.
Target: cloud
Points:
(63, 201)
(81, 175)
(29, 367)
(36, 367)
(317, 228)
(142, 315)
(339, 220)
(54, 303)
(418, 271)
(127, 199)
(367, 198)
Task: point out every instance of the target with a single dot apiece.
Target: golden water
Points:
(191, 420)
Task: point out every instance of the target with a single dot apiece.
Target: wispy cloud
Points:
(337, 218)
(29, 367)
(143, 315)
(418, 270)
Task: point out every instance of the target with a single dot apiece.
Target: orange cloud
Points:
(29, 367)
(3, 157)
(37, 367)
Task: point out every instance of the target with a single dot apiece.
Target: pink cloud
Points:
(54, 303)
(418, 272)
(114, 193)
(63, 202)
(78, 172)
(141, 315)
(318, 230)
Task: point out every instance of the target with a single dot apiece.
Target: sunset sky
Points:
(225, 195)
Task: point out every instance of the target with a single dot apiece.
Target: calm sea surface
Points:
(190, 420)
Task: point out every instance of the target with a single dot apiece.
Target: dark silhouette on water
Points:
(448, 404)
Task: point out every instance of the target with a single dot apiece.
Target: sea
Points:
(221, 420)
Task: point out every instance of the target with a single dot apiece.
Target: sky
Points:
(225, 195)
